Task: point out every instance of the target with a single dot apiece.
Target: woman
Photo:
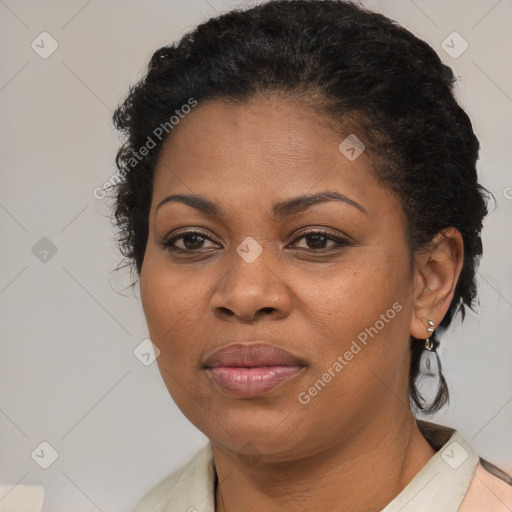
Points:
(299, 198)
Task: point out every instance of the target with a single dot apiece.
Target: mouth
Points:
(250, 371)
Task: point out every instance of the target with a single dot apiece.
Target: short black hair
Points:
(358, 67)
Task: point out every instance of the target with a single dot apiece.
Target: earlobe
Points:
(437, 270)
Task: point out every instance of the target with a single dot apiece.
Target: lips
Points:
(258, 354)
(251, 370)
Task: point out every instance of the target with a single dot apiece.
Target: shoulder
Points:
(183, 487)
(490, 490)
(476, 485)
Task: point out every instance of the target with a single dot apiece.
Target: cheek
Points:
(361, 314)
(354, 296)
(172, 309)
(172, 303)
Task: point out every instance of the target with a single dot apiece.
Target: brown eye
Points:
(317, 240)
(192, 241)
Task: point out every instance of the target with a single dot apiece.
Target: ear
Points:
(436, 273)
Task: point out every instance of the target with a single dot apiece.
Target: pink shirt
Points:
(487, 492)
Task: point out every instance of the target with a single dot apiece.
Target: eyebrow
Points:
(280, 210)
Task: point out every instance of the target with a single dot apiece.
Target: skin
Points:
(355, 445)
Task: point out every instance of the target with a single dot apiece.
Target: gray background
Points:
(68, 374)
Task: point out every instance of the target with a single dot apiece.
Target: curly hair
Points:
(358, 67)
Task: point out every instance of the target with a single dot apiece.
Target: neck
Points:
(364, 475)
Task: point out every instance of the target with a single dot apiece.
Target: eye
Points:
(191, 241)
(316, 239)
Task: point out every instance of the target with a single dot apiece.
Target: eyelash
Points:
(169, 243)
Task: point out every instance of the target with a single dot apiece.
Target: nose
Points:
(251, 291)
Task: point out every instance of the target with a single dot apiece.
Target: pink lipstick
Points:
(250, 371)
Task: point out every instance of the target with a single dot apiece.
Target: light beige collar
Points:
(443, 482)
(440, 485)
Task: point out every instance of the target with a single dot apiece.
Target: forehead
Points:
(265, 139)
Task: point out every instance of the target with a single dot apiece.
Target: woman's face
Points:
(342, 308)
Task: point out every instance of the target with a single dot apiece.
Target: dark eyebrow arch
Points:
(280, 210)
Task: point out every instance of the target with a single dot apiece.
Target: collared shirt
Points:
(455, 479)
